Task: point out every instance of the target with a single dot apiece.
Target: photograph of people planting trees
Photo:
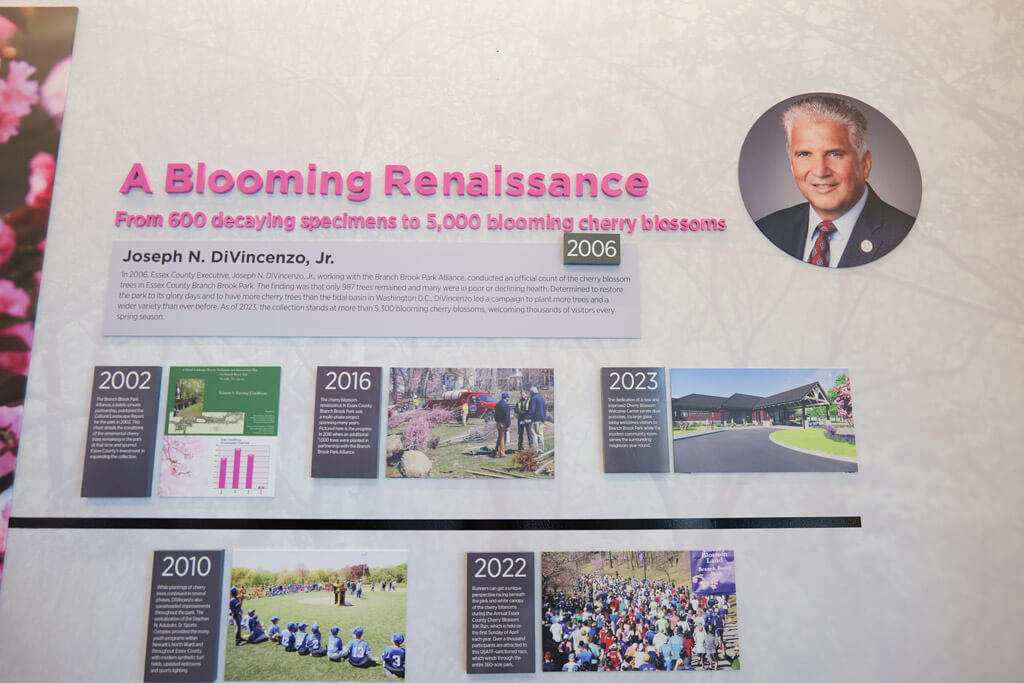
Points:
(471, 423)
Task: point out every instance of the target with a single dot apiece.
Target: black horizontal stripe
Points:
(297, 524)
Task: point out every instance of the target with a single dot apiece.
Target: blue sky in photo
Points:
(756, 381)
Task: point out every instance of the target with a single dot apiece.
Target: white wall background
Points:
(932, 334)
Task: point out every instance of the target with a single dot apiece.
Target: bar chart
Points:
(241, 469)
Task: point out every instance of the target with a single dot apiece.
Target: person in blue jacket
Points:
(538, 414)
(256, 634)
(335, 648)
(235, 610)
(315, 642)
(393, 658)
(359, 652)
(274, 632)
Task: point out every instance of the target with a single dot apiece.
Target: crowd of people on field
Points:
(267, 590)
(351, 587)
(343, 588)
(294, 637)
(612, 623)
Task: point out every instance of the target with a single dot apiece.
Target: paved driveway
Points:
(748, 450)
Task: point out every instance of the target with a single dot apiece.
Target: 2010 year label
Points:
(186, 565)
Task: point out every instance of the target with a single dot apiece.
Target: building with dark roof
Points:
(780, 408)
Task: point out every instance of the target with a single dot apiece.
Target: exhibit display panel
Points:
(783, 580)
(569, 284)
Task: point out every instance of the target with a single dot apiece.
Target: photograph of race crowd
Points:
(471, 423)
(320, 615)
(639, 611)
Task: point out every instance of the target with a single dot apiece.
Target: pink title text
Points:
(398, 179)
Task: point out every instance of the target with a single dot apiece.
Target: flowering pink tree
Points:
(179, 454)
(417, 424)
(843, 398)
(23, 225)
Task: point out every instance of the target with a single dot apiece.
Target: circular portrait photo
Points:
(830, 180)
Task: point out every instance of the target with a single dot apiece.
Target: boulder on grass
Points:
(415, 465)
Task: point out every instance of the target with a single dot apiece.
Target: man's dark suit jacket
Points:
(882, 225)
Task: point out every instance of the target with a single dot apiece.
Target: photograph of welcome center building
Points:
(762, 420)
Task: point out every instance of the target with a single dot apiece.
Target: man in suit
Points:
(844, 222)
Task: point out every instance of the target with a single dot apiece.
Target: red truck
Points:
(481, 404)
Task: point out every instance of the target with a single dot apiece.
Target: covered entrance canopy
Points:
(781, 405)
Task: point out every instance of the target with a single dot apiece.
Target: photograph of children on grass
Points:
(471, 423)
(639, 610)
(763, 420)
(316, 615)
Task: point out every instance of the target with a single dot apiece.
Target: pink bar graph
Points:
(241, 469)
(238, 468)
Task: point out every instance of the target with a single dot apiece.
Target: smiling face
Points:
(826, 168)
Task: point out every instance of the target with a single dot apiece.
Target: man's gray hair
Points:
(826, 108)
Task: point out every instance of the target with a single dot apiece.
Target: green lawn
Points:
(451, 461)
(194, 410)
(379, 613)
(814, 439)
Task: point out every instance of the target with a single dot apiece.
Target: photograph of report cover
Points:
(471, 423)
(220, 436)
(639, 610)
(763, 420)
(316, 615)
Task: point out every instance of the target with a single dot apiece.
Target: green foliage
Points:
(833, 395)
(820, 411)
(262, 578)
(244, 577)
(813, 439)
(389, 574)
